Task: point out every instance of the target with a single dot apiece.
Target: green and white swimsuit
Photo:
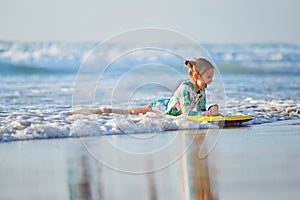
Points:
(184, 100)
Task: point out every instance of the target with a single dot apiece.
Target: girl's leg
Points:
(136, 111)
(131, 111)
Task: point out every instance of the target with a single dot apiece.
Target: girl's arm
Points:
(201, 108)
(187, 101)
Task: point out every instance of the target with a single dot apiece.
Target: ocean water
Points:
(40, 82)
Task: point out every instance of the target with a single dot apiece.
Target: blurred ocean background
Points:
(37, 81)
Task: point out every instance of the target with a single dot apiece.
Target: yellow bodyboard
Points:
(225, 119)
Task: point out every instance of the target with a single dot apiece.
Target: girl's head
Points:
(201, 72)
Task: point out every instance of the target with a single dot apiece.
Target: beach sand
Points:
(255, 162)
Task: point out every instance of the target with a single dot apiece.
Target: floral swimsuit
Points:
(183, 101)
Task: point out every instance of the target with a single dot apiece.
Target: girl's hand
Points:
(214, 110)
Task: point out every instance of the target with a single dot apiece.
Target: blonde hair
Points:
(198, 66)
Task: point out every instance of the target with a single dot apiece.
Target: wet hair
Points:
(198, 66)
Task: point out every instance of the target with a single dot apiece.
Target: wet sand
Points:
(256, 162)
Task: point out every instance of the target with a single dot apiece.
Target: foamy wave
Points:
(69, 56)
(44, 55)
(36, 124)
(79, 125)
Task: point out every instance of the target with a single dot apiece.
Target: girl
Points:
(190, 94)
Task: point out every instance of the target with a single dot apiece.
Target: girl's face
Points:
(205, 79)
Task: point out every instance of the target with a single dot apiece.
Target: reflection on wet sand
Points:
(63, 169)
(82, 183)
(201, 172)
(187, 178)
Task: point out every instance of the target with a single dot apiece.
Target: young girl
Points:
(190, 94)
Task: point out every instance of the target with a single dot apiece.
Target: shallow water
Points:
(38, 109)
(39, 85)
